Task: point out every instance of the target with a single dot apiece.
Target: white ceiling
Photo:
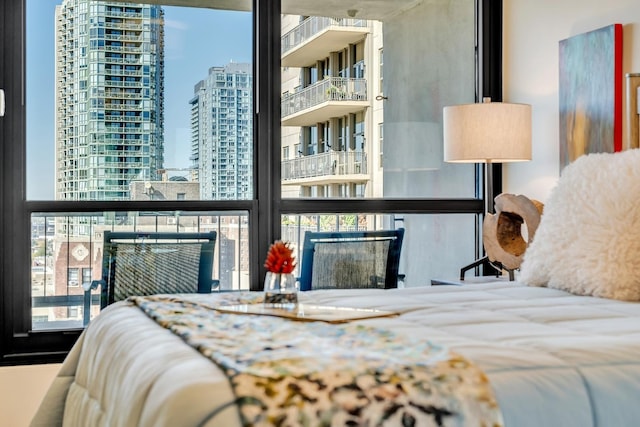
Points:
(366, 9)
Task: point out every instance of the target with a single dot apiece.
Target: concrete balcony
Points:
(317, 36)
(121, 118)
(116, 94)
(121, 14)
(333, 167)
(123, 107)
(330, 97)
(120, 49)
(122, 83)
(123, 25)
(121, 72)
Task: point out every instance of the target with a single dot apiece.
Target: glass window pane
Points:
(133, 101)
(434, 246)
(126, 96)
(357, 135)
(335, 100)
(66, 255)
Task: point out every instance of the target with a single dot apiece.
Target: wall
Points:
(21, 391)
(532, 31)
(422, 74)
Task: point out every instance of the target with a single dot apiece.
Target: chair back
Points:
(354, 259)
(143, 263)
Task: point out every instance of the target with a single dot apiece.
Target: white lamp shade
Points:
(487, 132)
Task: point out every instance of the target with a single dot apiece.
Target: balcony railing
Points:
(312, 26)
(119, 106)
(120, 25)
(328, 89)
(123, 37)
(117, 13)
(122, 94)
(119, 118)
(60, 303)
(67, 253)
(120, 72)
(333, 163)
(119, 49)
(119, 83)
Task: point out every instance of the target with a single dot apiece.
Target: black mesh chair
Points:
(356, 259)
(142, 263)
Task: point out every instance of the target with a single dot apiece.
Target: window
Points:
(345, 106)
(72, 277)
(86, 275)
(119, 154)
(136, 111)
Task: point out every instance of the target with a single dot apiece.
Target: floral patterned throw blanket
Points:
(290, 373)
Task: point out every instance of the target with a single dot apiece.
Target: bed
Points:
(558, 347)
(551, 357)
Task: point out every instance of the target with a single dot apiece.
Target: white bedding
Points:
(553, 358)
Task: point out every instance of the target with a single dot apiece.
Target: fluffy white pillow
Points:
(588, 240)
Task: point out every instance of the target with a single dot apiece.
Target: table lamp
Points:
(487, 132)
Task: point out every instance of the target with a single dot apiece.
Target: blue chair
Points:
(355, 259)
(143, 263)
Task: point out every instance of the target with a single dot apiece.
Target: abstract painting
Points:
(591, 93)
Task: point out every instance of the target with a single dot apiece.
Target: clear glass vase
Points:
(280, 288)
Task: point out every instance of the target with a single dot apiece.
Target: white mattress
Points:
(553, 359)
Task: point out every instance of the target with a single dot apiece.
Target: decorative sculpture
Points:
(502, 232)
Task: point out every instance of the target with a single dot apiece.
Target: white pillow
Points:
(588, 240)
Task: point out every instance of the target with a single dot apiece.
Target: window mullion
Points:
(266, 133)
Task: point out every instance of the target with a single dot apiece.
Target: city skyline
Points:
(186, 60)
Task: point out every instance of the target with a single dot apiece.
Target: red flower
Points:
(280, 258)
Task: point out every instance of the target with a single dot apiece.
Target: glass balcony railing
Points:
(330, 164)
(328, 89)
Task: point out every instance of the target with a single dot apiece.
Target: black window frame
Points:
(18, 344)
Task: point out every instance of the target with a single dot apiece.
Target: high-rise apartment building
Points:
(222, 132)
(109, 97)
(332, 107)
(109, 81)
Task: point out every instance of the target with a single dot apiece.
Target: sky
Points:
(195, 40)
